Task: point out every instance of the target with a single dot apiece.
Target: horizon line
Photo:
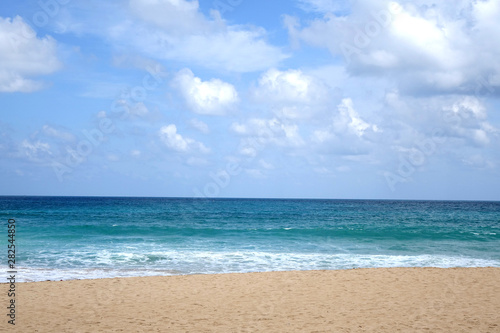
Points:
(238, 198)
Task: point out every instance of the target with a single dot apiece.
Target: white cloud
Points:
(233, 50)
(124, 108)
(452, 122)
(349, 119)
(35, 151)
(173, 140)
(428, 47)
(292, 94)
(172, 15)
(346, 122)
(212, 97)
(466, 118)
(267, 131)
(177, 30)
(468, 107)
(485, 16)
(291, 86)
(322, 135)
(24, 56)
(247, 149)
(347, 134)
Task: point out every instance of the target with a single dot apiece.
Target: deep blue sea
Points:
(60, 238)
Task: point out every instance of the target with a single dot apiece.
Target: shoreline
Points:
(256, 272)
(353, 300)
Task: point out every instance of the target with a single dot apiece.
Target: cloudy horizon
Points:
(235, 98)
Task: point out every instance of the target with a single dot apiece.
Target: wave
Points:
(210, 262)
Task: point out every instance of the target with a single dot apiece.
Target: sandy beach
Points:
(358, 300)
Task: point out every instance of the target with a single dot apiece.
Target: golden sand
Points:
(359, 300)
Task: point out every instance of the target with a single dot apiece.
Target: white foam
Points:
(107, 264)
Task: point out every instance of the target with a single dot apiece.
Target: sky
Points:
(362, 99)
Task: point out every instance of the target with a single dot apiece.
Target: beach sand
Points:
(358, 300)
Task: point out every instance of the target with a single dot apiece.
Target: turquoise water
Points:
(90, 237)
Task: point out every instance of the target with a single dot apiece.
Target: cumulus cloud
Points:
(467, 118)
(172, 15)
(291, 86)
(36, 151)
(455, 117)
(345, 122)
(212, 97)
(23, 56)
(349, 119)
(432, 49)
(291, 94)
(126, 109)
(259, 131)
(347, 133)
(177, 30)
(173, 140)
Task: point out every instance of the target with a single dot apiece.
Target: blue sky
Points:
(239, 98)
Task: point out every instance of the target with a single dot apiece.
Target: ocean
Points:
(61, 238)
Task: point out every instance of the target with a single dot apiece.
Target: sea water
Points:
(59, 238)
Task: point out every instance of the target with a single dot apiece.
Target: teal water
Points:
(91, 237)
